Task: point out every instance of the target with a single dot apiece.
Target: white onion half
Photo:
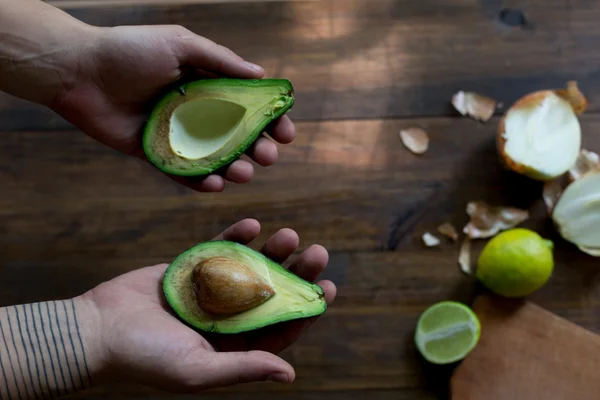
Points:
(577, 213)
(540, 136)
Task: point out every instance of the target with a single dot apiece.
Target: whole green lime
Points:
(516, 263)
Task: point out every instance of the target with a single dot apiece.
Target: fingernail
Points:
(281, 377)
(253, 66)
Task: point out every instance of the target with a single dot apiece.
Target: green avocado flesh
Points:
(294, 297)
(205, 125)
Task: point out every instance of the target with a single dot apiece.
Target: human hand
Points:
(106, 80)
(122, 71)
(140, 339)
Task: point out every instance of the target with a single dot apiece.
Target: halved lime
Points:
(446, 332)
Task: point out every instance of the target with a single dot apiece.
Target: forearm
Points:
(47, 349)
(39, 47)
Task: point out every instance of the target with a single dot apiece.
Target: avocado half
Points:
(291, 297)
(204, 125)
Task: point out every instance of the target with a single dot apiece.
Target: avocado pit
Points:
(225, 286)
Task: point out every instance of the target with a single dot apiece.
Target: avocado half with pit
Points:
(226, 287)
(204, 125)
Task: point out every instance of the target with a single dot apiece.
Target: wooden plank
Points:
(383, 58)
(526, 352)
(127, 392)
(76, 214)
(128, 3)
(349, 185)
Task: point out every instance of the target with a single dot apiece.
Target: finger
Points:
(212, 183)
(311, 263)
(190, 74)
(279, 338)
(202, 53)
(229, 368)
(329, 289)
(228, 342)
(264, 152)
(283, 130)
(281, 245)
(201, 74)
(242, 232)
(240, 171)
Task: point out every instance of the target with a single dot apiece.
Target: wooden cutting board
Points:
(528, 353)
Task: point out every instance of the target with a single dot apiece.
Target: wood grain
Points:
(526, 352)
(78, 214)
(382, 58)
(128, 3)
(75, 213)
(127, 392)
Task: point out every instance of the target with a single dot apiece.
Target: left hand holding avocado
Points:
(107, 80)
(141, 340)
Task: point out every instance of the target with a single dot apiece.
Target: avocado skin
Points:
(212, 325)
(251, 137)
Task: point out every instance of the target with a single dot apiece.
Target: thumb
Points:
(231, 368)
(204, 54)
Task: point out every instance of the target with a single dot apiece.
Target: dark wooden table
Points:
(74, 213)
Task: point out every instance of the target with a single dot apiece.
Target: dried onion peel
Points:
(587, 161)
(474, 105)
(552, 191)
(430, 240)
(487, 221)
(577, 213)
(464, 257)
(574, 96)
(540, 135)
(448, 230)
(415, 139)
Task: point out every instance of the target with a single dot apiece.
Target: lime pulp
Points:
(446, 332)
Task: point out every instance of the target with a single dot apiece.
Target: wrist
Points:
(48, 349)
(89, 325)
(40, 49)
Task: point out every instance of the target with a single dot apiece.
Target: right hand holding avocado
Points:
(139, 339)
